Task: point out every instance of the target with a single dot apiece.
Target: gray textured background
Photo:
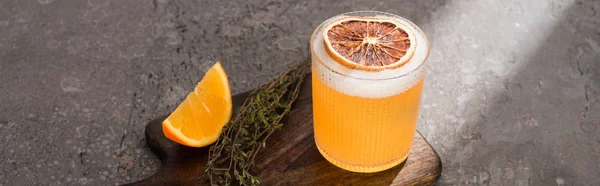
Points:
(511, 96)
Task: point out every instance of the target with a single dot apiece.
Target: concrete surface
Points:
(511, 97)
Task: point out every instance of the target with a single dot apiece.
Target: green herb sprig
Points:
(232, 156)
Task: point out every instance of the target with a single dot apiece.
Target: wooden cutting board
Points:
(290, 158)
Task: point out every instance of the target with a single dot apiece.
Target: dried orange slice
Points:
(199, 119)
(369, 43)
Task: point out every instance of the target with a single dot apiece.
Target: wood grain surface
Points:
(290, 158)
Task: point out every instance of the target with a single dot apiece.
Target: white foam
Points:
(369, 84)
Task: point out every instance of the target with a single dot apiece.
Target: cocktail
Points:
(368, 70)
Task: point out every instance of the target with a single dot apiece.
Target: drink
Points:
(365, 111)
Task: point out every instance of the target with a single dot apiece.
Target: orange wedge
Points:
(199, 119)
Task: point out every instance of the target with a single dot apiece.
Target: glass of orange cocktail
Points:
(368, 70)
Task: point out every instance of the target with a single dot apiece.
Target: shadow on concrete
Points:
(542, 129)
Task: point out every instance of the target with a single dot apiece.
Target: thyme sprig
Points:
(232, 156)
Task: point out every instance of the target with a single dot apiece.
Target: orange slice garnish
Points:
(199, 119)
(370, 44)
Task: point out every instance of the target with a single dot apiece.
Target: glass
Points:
(365, 121)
